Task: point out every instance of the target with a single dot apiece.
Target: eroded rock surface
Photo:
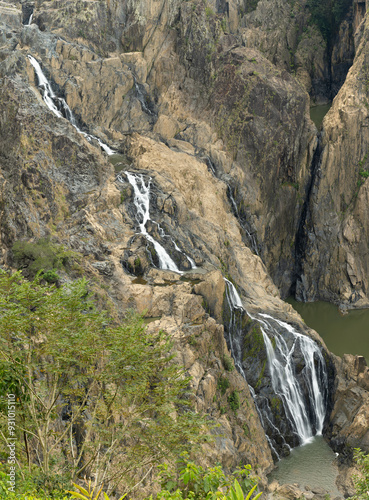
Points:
(201, 100)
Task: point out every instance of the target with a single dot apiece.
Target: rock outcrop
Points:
(200, 101)
(349, 420)
(335, 266)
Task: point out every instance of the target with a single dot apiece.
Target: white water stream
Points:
(142, 204)
(250, 236)
(286, 384)
(284, 373)
(59, 107)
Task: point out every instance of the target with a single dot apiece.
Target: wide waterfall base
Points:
(285, 370)
(310, 466)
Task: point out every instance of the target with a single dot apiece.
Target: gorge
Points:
(224, 197)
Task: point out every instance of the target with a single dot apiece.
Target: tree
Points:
(361, 481)
(328, 15)
(94, 398)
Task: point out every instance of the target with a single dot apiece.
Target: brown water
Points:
(317, 113)
(348, 334)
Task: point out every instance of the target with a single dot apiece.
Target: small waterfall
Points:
(59, 106)
(30, 20)
(302, 390)
(235, 325)
(250, 237)
(210, 165)
(142, 98)
(142, 204)
(191, 261)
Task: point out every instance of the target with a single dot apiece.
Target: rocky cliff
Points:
(337, 227)
(209, 103)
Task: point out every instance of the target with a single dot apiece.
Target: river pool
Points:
(311, 465)
(317, 113)
(343, 334)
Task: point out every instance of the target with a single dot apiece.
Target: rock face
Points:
(200, 102)
(349, 421)
(229, 102)
(336, 231)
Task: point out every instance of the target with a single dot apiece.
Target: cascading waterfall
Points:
(30, 20)
(59, 107)
(285, 383)
(142, 204)
(142, 191)
(303, 392)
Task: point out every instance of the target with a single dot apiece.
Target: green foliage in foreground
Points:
(361, 481)
(191, 481)
(93, 398)
(27, 489)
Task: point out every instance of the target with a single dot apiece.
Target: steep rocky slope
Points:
(337, 225)
(198, 98)
(243, 113)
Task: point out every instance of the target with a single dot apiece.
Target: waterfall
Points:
(251, 238)
(303, 392)
(30, 20)
(235, 325)
(59, 106)
(284, 380)
(141, 97)
(142, 204)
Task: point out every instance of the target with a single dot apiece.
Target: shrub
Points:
(42, 255)
(209, 12)
(223, 384)
(234, 400)
(361, 481)
(227, 363)
(191, 481)
(51, 276)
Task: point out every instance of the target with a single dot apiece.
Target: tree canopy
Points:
(328, 15)
(94, 398)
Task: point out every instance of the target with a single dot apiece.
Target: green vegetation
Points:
(363, 175)
(234, 400)
(327, 15)
(254, 342)
(276, 404)
(291, 184)
(92, 396)
(227, 363)
(192, 481)
(246, 430)
(261, 375)
(361, 481)
(42, 255)
(223, 384)
(209, 12)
